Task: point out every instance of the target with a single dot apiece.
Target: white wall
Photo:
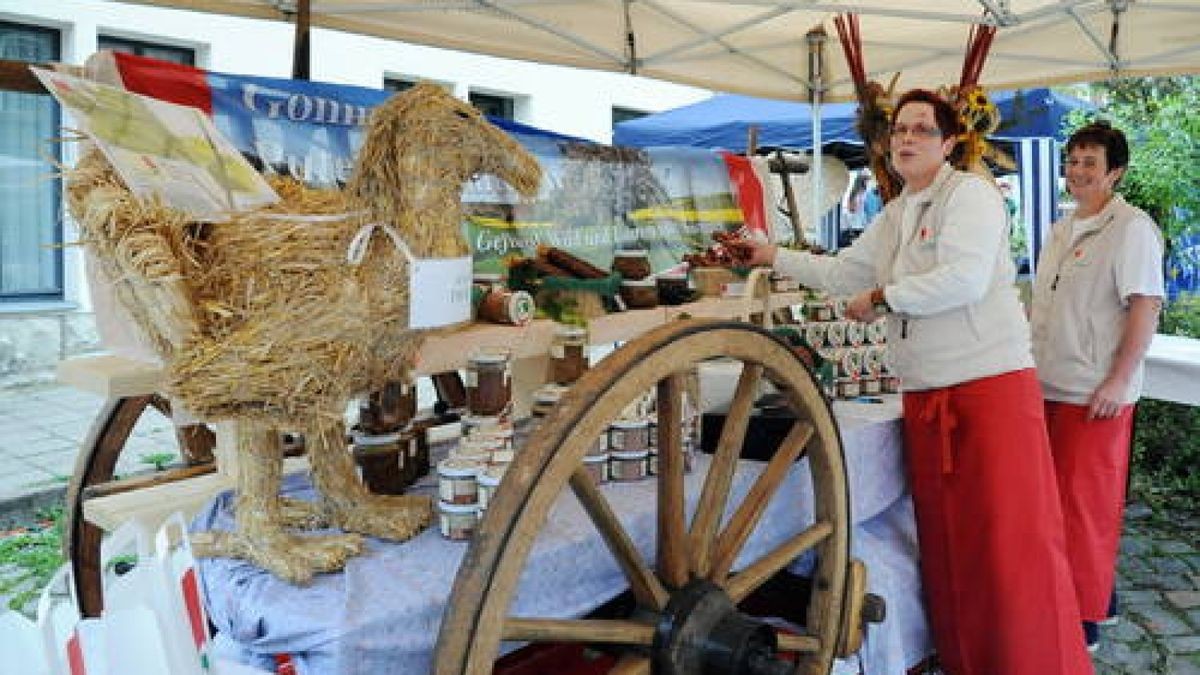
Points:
(566, 100)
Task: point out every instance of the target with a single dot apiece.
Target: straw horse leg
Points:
(260, 536)
(348, 503)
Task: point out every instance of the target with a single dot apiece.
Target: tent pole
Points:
(816, 42)
(301, 54)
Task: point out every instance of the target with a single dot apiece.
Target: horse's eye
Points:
(462, 114)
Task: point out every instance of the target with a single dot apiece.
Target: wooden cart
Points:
(685, 611)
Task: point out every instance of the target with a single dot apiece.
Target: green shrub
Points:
(28, 560)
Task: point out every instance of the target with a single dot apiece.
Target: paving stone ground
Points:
(1158, 575)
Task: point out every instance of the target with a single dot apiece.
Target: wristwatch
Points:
(879, 301)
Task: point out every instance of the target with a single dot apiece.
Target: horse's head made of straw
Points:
(422, 145)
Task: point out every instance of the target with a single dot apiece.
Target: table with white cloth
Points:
(382, 613)
(1173, 369)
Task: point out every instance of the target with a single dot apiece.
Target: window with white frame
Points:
(30, 197)
(493, 105)
(171, 53)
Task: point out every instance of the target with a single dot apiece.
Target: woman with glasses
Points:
(936, 264)
(1096, 300)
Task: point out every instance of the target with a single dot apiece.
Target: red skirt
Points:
(993, 555)
(1091, 460)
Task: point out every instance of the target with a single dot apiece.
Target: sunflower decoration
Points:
(979, 118)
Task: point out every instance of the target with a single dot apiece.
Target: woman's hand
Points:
(861, 307)
(749, 253)
(1105, 402)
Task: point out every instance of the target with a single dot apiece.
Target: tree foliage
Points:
(1161, 118)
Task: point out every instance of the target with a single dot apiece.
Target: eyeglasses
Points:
(919, 131)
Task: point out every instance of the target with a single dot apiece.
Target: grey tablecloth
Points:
(382, 613)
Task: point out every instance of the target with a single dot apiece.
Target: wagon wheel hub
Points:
(702, 631)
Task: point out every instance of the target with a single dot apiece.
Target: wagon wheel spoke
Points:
(803, 644)
(631, 664)
(720, 472)
(604, 631)
(646, 587)
(672, 525)
(746, 518)
(743, 583)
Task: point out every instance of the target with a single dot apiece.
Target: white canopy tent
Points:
(757, 47)
(769, 47)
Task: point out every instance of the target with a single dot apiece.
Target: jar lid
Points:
(491, 476)
(550, 393)
(569, 331)
(595, 459)
(361, 438)
(484, 422)
(630, 454)
(629, 424)
(673, 276)
(648, 282)
(447, 507)
(458, 467)
(487, 277)
(631, 253)
(491, 435)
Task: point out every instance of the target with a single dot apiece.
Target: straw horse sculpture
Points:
(277, 330)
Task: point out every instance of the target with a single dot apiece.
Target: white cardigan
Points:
(1081, 298)
(942, 257)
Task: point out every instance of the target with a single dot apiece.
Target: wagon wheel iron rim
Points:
(705, 549)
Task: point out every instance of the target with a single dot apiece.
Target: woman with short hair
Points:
(1096, 301)
(936, 264)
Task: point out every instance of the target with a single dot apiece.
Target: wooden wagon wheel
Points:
(686, 603)
(93, 476)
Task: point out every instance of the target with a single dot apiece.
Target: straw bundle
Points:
(263, 319)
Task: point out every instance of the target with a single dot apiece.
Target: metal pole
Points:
(816, 41)
(301, 48)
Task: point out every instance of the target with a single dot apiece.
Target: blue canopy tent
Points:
(1031, 126)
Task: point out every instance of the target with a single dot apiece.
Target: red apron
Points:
(993, 555)
(1091, 460)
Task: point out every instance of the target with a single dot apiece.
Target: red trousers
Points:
(1091, 460)
(993, 555)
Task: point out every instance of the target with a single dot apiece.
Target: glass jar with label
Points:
(639, 293)
(456, 480)
(381, 461)
(545, 398)
(457, 522)
(568, 354)
(629, 435)
(489, 381)
(632, 263)
(489, 480)
(597, 467)
(626, 466)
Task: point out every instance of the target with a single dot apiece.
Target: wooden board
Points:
(152, 505)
